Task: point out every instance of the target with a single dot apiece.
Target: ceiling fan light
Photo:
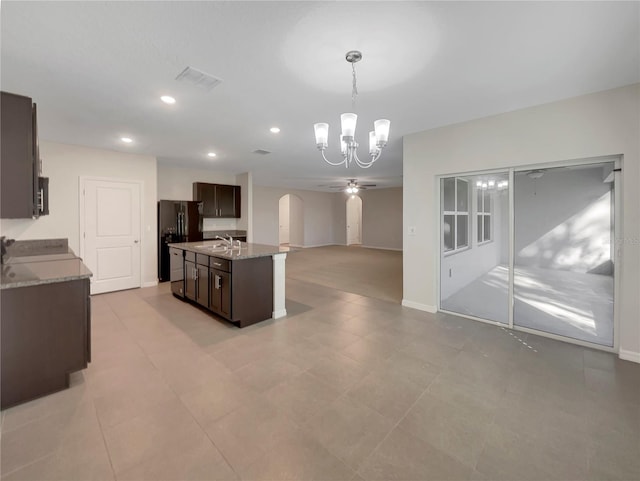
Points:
(382, 130)
(348, 122)
(322, 134)
(355, 190)
(349, 190)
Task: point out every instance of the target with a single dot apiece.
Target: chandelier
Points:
(377, 138)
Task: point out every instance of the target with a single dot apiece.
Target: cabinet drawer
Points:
(202, 259)
(189, 256)
(220, 264)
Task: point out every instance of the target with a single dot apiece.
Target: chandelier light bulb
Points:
(322, 134)
(492, 184)
(348, 122)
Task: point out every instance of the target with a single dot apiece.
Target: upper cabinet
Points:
(24, 193)
(218, 200)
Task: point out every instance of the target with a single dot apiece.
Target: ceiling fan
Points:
(352, 186)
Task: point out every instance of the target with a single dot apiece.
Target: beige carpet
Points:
(369, 272)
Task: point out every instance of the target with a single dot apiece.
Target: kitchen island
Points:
(243, 283)
(45, 322)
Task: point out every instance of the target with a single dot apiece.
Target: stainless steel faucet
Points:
(226, 241)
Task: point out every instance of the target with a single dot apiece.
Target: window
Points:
(455, 214)
(484, 215)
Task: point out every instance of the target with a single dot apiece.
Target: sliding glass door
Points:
(536, 255)
(564, 246)
(474, 262)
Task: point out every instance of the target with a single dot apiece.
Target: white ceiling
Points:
(97, 70)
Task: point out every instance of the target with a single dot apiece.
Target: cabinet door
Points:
(17, 157)
(225, 294)
(207, 195)
(214, 290)
(220, 293)
(228, 200)
(190, 280)
(202, 285)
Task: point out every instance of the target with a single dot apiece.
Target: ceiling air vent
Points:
(198, 78)
(261, 152)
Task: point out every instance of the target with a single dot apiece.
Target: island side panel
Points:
(252, 290)
(279, 282)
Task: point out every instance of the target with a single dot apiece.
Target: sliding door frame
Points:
(617, 161)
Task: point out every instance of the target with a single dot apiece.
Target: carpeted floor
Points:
(373, 273)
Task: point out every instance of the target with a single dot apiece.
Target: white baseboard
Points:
(279, 314)
(420, 307)
(150, 284)
(319, 245)
(383, 248)
(629, 355)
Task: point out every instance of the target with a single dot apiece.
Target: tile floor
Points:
(345, 387)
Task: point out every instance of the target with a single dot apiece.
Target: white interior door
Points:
(354, 220)
(111, 233)
(284, 220)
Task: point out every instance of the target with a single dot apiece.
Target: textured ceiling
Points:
(97, 70)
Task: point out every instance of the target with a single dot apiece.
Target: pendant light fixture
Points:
(377, 138)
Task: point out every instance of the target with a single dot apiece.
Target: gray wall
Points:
(381, 218)
(317, 211)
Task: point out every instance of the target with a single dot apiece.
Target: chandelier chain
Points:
(354, 90)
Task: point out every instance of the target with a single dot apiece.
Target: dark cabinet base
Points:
(251, 285)
(46, 334)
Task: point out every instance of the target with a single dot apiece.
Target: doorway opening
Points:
(291, 221)
(354, 220)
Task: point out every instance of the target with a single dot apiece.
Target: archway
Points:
(290, 221)
(354, 220)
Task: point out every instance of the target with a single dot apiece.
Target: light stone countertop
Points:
(246, 251)
(36, 272)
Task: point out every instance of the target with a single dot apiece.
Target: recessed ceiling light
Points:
(126, 140)
(211, 154)
(275, 130)
(167, 99)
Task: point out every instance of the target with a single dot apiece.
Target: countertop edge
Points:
(267, 250)
(37, 282)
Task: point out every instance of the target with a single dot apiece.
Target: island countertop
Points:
(246, 251)
(36, 272)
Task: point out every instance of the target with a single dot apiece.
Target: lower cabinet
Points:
(220, 292)
(190, 276)
(202, 285)
(45, 335)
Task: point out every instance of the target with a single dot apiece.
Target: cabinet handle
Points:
(217, 264)
(195, 274)
(218, 281)
(41, 200)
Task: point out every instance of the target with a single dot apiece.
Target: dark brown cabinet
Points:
(240, 290)
(24, 194)
(42, 342)
(220, 287)
(218, 200)
(196, 278)
(190, 282)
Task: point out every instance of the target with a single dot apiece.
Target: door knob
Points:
(136, 241)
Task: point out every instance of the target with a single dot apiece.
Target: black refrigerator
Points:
(178, 221)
